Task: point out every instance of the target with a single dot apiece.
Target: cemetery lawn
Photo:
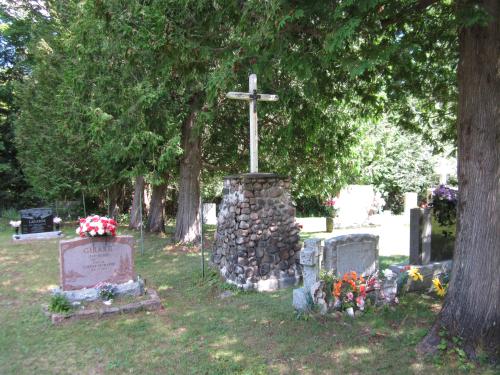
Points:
(197, 332)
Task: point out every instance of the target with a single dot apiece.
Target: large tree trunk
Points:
(114, 193)
(187, 226)
(156, 217)
(137, 201)
(471, 309)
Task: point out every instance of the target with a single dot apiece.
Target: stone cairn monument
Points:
(257, 243)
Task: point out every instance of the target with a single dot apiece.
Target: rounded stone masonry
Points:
(257, 240)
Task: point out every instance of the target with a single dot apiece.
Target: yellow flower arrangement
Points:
(438, 287)
(415, 274)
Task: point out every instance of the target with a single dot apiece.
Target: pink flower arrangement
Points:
(93, 226)
(330, 207)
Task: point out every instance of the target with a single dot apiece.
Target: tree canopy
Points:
(117, 78)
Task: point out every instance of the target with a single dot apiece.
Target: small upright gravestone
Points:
(89, 264)
(421, 251)
(36, 220)
(341, 254)
(85, 262)
(37, 223)
(353, 252)
(420, 236)
(309, 259)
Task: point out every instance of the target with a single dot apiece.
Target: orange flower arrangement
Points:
(350, 290)
(336, 290)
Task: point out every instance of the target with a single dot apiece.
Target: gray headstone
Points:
(415, 235)
(420, 235)
(300, 299)
(309, 261)
(353, 252)
(308, 256)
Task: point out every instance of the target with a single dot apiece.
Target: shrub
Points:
(311, 206)
(395, 162)
(444, 205)
(59, 304)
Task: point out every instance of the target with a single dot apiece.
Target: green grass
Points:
(197, 332)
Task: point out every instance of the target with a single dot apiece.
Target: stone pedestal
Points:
(257, 241)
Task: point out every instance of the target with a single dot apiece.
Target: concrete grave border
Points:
(152, 304)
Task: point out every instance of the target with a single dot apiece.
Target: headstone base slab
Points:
(38, 236)
(272, 284)
(131, 288)
(428, 271)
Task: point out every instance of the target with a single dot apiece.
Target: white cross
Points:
(252, 97)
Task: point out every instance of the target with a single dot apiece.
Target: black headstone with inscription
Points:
(37, 220)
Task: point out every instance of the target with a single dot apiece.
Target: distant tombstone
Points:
(37, 220)
(86, 262)
(410, 201)
(353, 252)
(354, 204)
(209, 213)
(420, 235)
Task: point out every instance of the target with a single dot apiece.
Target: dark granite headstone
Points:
(37, 220)
(420, 236)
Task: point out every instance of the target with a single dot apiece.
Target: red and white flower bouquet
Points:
(95, 225)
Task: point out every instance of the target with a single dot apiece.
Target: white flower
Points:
(92, 232)
(100, 231)
(388, 274)
(78, 230)
(15, 224)
(57, 220)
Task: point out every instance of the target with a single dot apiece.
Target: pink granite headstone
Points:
(85, 262)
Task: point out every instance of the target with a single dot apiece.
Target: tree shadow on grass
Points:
(198, 332)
